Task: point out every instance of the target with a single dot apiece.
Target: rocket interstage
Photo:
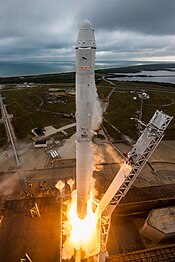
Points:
(86, 97)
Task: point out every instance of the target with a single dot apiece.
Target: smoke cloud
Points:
(97, 115)
(8, 185)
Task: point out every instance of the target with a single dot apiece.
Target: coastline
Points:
(30, 100)
(70, 75)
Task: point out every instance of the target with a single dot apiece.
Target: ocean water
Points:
(18, 68)
(161, 76)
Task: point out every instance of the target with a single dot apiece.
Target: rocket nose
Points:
(86, 36)
(86, 24)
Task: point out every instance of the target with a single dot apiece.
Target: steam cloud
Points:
(7, 186)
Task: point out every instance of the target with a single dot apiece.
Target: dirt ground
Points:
(159, 170)
(29, 157)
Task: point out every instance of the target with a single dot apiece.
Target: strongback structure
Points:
(137, 158)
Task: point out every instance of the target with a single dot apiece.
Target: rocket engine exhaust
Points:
(86, 97)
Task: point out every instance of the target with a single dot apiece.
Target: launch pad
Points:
(30, 235)
(38, 237)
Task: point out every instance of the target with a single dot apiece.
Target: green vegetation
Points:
(31, 110)
(3, 138)
(44, 79)
(136, 69)
(122, 107)
(30, 106)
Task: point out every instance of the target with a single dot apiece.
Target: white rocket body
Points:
(85, 100)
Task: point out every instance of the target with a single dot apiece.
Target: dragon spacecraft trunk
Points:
(85, 100)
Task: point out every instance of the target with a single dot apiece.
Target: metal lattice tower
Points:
(137, 158)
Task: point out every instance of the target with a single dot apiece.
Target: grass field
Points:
(122, 107)
(29, 113)
(30, 108)
(3, 138)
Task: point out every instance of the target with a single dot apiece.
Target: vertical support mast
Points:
(137, 158)
(85, 99)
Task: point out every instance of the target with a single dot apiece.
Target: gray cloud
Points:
(145, 16)
(42, 29)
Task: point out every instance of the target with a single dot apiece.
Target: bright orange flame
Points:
(81, 234)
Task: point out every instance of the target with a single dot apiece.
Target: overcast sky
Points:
(124, 29)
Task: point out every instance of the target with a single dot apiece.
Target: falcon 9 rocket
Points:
(86, 97)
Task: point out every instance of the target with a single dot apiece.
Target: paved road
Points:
(164, 89)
